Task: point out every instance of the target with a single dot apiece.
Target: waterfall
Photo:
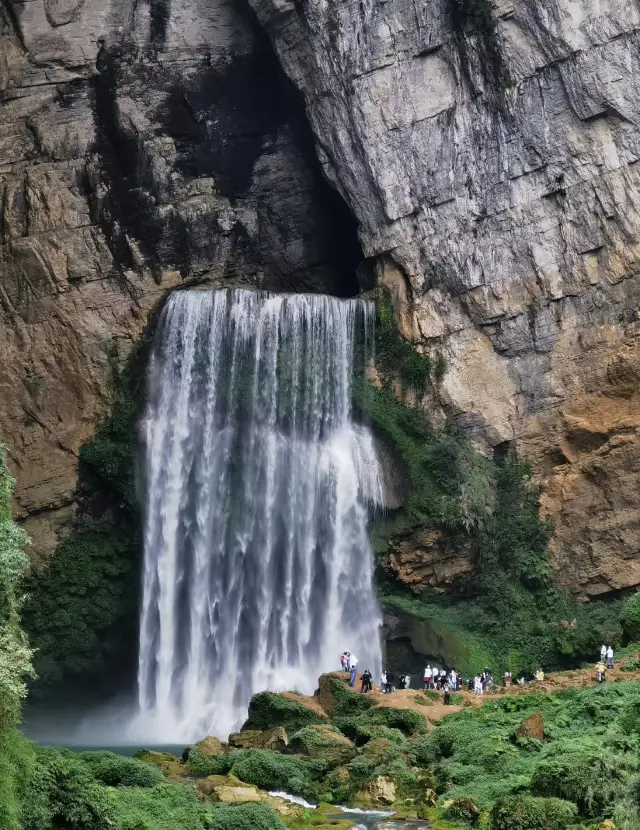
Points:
(257, 564)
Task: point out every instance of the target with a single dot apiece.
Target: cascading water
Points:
(257, 564)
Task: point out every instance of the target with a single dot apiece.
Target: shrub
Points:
(244, 817)
(272, 771)
(589, 780)
(165, 807)
(630, 616)
(79, 602)
(525, 812)
(119, 771)
(62, 793)
(17, 757)
(198, 764)
(268, 709)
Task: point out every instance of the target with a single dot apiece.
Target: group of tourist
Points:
(349, 662)
(606, 654)
(441, 679)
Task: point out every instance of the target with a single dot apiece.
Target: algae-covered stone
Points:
(463, 810)
(380, 790)
(275, 739)
(169, 764)
(237, 795)
(324, 743)
(211, 747)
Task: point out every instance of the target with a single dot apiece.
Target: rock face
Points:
(141, 145)
(495, 179)
(531, 727)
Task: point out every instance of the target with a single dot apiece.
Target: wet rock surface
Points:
(141, 145)
(495, 180)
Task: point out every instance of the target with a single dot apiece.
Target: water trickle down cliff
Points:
(258, 568)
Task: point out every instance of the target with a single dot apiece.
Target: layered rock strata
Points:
(494, 175)
(141, 145)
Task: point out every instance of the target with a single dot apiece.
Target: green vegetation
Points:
(506, 612)
(82, 607)
(630, 616)
(245, 817)
(396, 357)
(82, 604)
(15, 659)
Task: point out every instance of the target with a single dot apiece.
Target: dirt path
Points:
(434, 711)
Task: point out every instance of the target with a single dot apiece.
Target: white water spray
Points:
(257, 564)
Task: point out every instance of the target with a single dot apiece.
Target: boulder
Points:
(324, 743)
(531, 727)
(211, 747)
(380, 790)
(169, 764)
(463, 810)
(275, 739)
(236, 795)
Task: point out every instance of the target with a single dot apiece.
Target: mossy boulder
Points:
(338, 699)
(531, 727)
(164, 761)
(324, 743)
(407, 721)
(268, 710)
(464, 811)
(211, 747)
(275, 739)
(380, 790)
(526, 812)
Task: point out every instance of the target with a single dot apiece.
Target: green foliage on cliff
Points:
(630, 616)
(82, 609)
(395, 356)
(83, 604)
(506, 613)
(15, 654)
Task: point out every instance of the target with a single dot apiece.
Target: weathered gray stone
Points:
(502, 211)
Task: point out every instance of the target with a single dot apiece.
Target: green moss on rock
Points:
(269, 709)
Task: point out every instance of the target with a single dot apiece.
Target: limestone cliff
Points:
(141, 145)
(490, 155)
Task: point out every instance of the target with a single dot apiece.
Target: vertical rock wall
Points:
(493, 169)
(141, 144)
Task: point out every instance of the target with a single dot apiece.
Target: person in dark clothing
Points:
(390, 679)
(366, 682)
(447, 695)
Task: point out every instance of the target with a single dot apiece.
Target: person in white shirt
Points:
(609, 658)
(383, 682)
(428, 677)
(603, 652)
(477, 685)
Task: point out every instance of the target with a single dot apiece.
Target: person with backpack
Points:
(366, 682)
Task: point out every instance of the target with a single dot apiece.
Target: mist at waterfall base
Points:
(259, 485)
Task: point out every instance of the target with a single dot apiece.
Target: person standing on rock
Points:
(353, 662)
(610, 657)
(390, 680)
(366, 681)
